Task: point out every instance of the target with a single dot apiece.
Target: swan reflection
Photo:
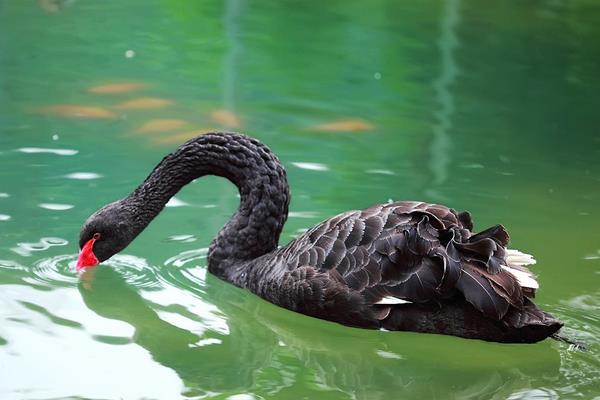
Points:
(239, 343)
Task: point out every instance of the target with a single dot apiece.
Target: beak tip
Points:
(87, 258)
(84, 263)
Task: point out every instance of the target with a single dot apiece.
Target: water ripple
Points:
(135, 270)
(54, 271)
(26, 248)
(185, 257)
(585, 302)
(179, 270)
(183, 238)
(581, 323)
(59, 271)
(59, 152)
(9, 264)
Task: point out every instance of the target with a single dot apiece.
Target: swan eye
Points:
(96, 236)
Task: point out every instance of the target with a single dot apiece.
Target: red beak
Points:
(87, 258)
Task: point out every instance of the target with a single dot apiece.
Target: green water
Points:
(485, 106)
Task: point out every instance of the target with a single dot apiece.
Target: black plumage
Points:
(341, 269)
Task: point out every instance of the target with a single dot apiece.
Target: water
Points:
(488, 107)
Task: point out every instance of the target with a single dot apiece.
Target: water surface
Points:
(487, 107)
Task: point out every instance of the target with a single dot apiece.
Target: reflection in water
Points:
(239, 343)
(144, 103)
(179, 138)
(344, 125)
(440, 144)
(54, 6)
(204, 362)
(78, 111)
(162, 125)
(225, 118)
(116, 88)
(56, 348)
(233, 9)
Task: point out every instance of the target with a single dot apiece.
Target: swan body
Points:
(408, 265)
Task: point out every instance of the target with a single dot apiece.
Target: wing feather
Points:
(413, 251)
(479, 292)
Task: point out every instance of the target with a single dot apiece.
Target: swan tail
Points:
(516, 265)
(493, 278)
(459, 318)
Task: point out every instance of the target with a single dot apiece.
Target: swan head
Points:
(105, 233)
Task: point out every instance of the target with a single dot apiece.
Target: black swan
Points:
(407, 266)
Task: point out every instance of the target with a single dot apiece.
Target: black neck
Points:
(255, 227)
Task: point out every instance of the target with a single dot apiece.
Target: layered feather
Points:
(415, 252)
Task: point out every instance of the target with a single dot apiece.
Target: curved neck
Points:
(255, 227)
